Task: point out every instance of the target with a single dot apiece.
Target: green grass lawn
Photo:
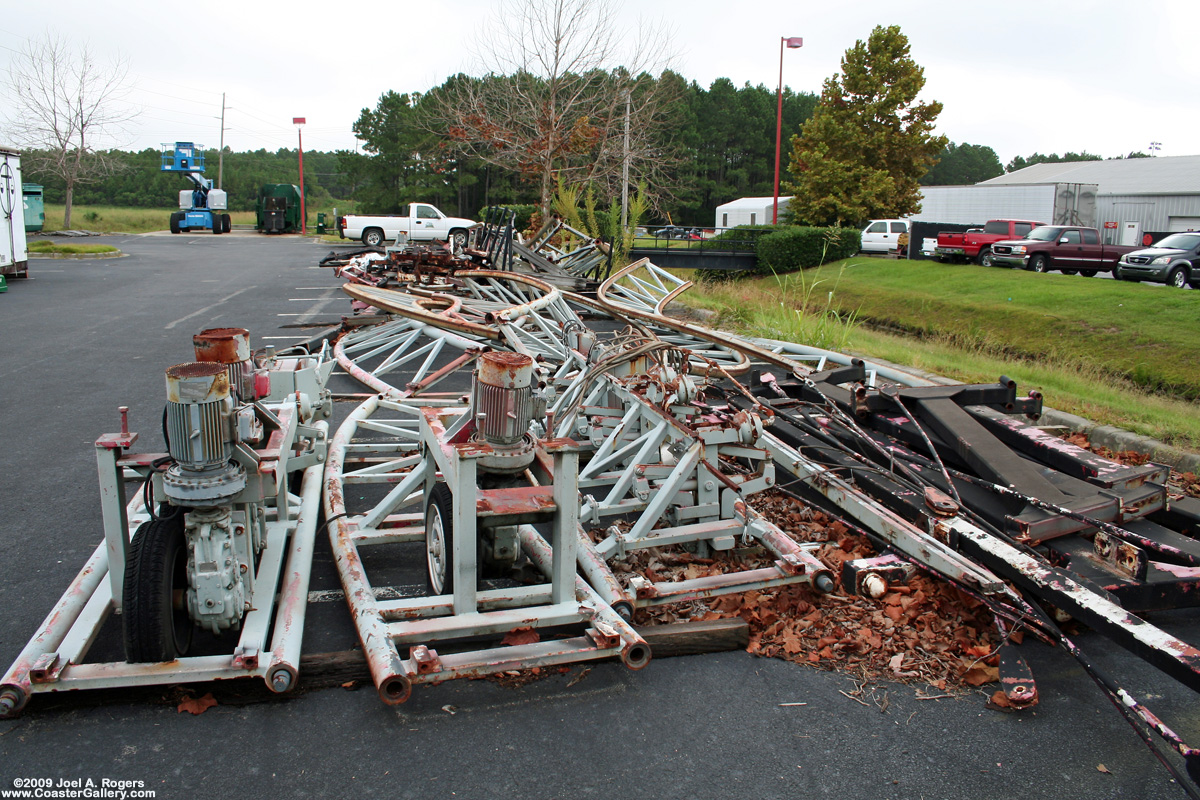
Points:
(47, 246)
(1120, 353)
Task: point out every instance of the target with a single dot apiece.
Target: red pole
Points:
(793, 41)
(304, 217)
(778, 132)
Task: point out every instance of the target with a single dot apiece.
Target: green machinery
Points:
(278, 208)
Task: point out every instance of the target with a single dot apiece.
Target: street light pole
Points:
(791, 42)
(299, 122)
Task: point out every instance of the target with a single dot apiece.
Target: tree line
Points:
(561, 112)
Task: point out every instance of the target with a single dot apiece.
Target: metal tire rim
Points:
(435, 549)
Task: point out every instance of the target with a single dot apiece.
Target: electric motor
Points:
(503, 398)
(229, 346)
(502, 405)
(200, 436)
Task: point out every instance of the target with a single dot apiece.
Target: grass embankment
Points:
(47, 246)
(1118, 353)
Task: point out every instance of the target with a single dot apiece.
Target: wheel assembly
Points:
(155, 620)
(439, 538)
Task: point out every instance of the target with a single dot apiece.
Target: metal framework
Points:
(292, 445)
(944, 477)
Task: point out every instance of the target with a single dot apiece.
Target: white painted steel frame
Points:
(270, 641)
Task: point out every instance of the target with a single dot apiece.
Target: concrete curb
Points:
(79, 256)
(1116, 439)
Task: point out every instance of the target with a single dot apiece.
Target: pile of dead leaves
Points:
(922, 631)
(1181, 484)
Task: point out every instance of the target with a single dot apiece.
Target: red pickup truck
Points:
(976, 245)
(1068, 249)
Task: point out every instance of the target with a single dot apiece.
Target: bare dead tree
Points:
(553, 100)
(64, 101)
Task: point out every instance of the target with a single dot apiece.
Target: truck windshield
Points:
(1180, 241)
(1043, 234)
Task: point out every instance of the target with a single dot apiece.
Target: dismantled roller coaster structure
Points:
(537, 417)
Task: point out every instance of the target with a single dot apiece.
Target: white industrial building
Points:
(749, 211)
(1134, 196)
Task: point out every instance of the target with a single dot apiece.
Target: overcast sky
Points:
(1051, 76)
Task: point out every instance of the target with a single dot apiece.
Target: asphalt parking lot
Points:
(81, 338)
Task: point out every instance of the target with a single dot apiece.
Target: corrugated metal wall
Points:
(1152, 211)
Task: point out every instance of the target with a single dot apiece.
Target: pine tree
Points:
(869, 142)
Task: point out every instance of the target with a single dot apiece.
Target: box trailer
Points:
(14, 253)
(749, 211)
(1052, 203)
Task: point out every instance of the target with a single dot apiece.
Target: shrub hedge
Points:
(745, 233)
(794, 247)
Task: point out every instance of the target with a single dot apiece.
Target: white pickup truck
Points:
(422, 223)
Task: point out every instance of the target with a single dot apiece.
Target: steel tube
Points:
(292, 605)
(635, 652)
(390, 673)
(14, 689)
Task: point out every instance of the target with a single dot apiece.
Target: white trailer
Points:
(1052, 203)
(749, 211)
(14, 253)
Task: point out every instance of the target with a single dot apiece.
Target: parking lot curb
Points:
(79, 256)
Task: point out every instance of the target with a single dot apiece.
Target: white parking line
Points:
(198, 312)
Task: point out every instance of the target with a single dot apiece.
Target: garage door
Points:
(1183, 224)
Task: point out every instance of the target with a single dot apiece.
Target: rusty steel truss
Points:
(676, 426)
(534, 428)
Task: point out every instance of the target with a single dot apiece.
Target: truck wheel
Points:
(226, 223)
(1039, 263)
(984, 259)
(1177, 278)
(175, 222)
(458, 240)
(155, 621)
(216, 223)
(1088, 273)
(372, 237)
(439, 539)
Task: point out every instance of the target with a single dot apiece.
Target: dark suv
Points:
(1173, 260)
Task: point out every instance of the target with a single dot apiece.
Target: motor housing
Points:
(201, 435)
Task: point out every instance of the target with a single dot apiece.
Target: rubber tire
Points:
(440, 510)
(1069, 271)
(372, 237)
(1039, 263)
(175, 219)
(216, 224)
(226, 223)
(458, 240)
(154, 629)
(1177, 278)
(984, 259)
(1088, 273)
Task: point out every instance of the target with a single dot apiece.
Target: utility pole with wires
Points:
(221, 152)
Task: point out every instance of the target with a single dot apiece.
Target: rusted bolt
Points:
(124, 418)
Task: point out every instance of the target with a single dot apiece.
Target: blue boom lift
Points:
(201, 206)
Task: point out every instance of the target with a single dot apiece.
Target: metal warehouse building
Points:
(1135, 196)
